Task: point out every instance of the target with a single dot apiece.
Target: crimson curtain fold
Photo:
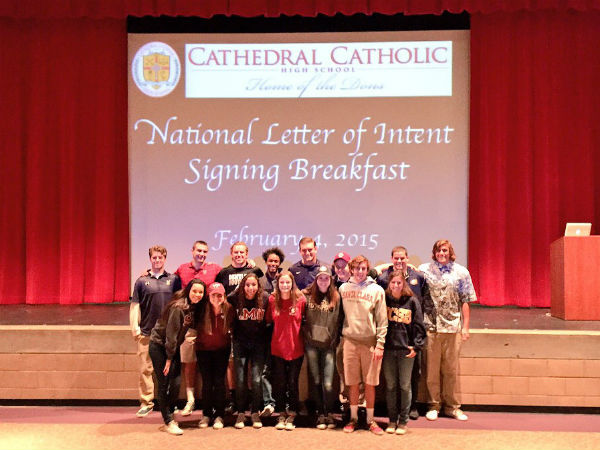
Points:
(65, 219)
(533, 148)
(119, 9)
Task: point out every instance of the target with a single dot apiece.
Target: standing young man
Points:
(273, 257)
(306, 269)
(199, 268)
(151, 293)
(417, 283)
(364, 330)
(231, 275)
(447, 322)
(340, 268)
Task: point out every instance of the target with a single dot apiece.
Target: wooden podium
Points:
(575, 278)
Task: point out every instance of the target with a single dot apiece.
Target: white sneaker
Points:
(188, 409)
(458, 414)
(391, 428)
(432, 414)
(218, 423)
(289, 423)
(143, 411)
(204, 422)
(321, 422)
(267, 411)
(280, 422)
(239, 422)
(401, 429)
(330, 421)
(255, 419)
(173, 428)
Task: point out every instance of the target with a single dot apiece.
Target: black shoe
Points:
(230, 408)
(413, 414)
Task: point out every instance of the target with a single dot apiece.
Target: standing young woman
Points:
(165, 339)
(405, 337)
(286, 308)
(321, 332)
(249, 342)
(213, 346)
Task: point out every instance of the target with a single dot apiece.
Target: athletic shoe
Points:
(432, 414)
(413, 414)
(173, 428)
(204, 422)
(321, 422)
(280, 422)
(459, 415)
(289, 422)
(218, 423)
(330, 421)
(401, 429)
(143, 411)
(350, 426)
(267, 411)
(375, 428)
(239, 422)
(391, 428)
(255, 418)
(188, 409)
(230, 408)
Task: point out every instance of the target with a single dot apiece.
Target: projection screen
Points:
(359, 140)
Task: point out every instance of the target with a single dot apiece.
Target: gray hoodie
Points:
(365, 313)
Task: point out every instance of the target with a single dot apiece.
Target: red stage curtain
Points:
(534, 146)
(63, 164)
(64, 228)
(273, 8)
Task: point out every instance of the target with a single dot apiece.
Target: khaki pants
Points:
(146, 386)
(443, 351)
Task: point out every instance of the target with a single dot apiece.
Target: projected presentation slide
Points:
(359, 140)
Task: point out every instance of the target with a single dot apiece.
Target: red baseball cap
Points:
(216, 287)
(342, 255)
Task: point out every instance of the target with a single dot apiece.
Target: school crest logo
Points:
(156, 69)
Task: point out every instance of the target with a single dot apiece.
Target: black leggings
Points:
(285, 379)
(212, 365)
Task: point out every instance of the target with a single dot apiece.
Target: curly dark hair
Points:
(275, 250)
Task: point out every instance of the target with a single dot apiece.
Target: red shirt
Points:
(207, 273)
(287, 342)
(218, 339)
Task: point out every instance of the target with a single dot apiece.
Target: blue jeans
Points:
(168, 386)
(321, 367)
(397, 370)
(242, 355)
(266, 381)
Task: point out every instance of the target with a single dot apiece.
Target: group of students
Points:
(345, 315)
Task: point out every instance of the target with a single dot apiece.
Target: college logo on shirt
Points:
(252, 314)
(401, 315)
(236, 278)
